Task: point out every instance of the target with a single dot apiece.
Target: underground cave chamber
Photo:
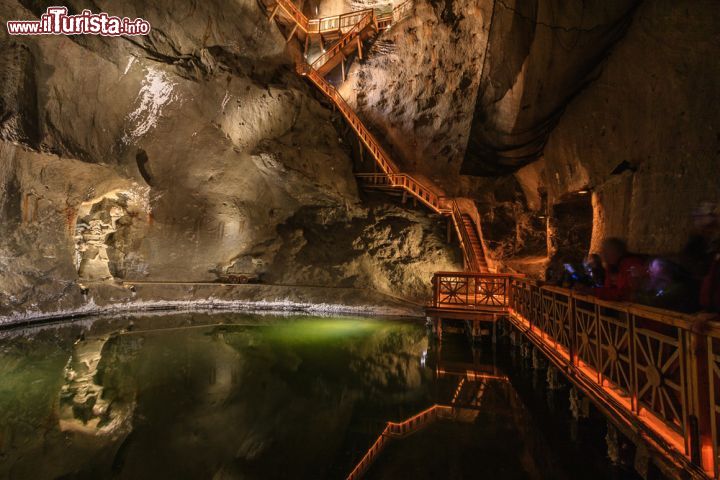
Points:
(360, 239)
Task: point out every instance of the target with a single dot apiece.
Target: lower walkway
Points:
(654, 373)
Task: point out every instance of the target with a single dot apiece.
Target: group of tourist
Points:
(687, 282)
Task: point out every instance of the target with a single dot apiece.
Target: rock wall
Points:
(177, 156)
(645, 135)
(417, 85)
(615, 98)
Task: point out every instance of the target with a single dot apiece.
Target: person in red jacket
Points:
(624, 272)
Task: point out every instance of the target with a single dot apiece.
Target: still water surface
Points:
(238, 396)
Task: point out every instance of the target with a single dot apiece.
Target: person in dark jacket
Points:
(707, 222)
(669, 286)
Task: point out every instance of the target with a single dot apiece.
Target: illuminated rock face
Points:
(198, 150)
(542, 99)
(174, 158)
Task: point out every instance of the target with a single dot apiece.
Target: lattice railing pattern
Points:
(470, 290)
(639, 356)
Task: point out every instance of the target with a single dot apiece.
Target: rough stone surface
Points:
(417, 87)
(645, 135)
(181, 156)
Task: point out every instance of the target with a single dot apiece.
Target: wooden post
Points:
(292, 33)
(342, 65)
(699, 435)
(404, 197)
(449, 230)
(359, 46)
(277, 6)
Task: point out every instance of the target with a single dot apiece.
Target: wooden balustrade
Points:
(373, 146)
(293, 12)
(656, 366)
(408, 183)
(367, 19)
(655, 371)
(336, 23)
(386, 19)
(472, 261)
(471, 291)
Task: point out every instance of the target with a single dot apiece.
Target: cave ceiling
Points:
(540, 55)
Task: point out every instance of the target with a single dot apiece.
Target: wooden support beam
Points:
(322, 44)
(342, 66)
(449, 230)
(404, 197)
(359, 47)
(275, 10)
(292, 33)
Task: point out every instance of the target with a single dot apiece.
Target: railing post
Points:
(699, 434)
(634, 397)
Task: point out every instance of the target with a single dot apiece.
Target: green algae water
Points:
(238, 396)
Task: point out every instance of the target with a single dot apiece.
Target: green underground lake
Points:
(249, 396)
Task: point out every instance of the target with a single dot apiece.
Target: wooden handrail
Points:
(473, 263)
(367, 18)
(336, 23)
(295, 13)
(658, 370)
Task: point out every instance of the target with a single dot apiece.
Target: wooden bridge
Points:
(655, 373)
(348, 31)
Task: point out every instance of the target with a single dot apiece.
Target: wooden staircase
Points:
(352, 40)
(352, 29)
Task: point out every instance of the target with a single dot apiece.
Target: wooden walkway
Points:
(655, 373)
(348, 31)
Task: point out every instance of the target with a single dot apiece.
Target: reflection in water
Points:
(228, 396)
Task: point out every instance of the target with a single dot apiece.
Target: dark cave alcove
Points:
(570, 225)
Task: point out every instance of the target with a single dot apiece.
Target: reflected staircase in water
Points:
(348, 31)
(464, 407)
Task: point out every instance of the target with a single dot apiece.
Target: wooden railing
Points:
(656, 366)
(655, 371)
(386, 19)
(472, 261)
(335, 23)
(294, 13)
(410, 185)
(373, 146)
(471, 291)
(366, 19)
(399, 430)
